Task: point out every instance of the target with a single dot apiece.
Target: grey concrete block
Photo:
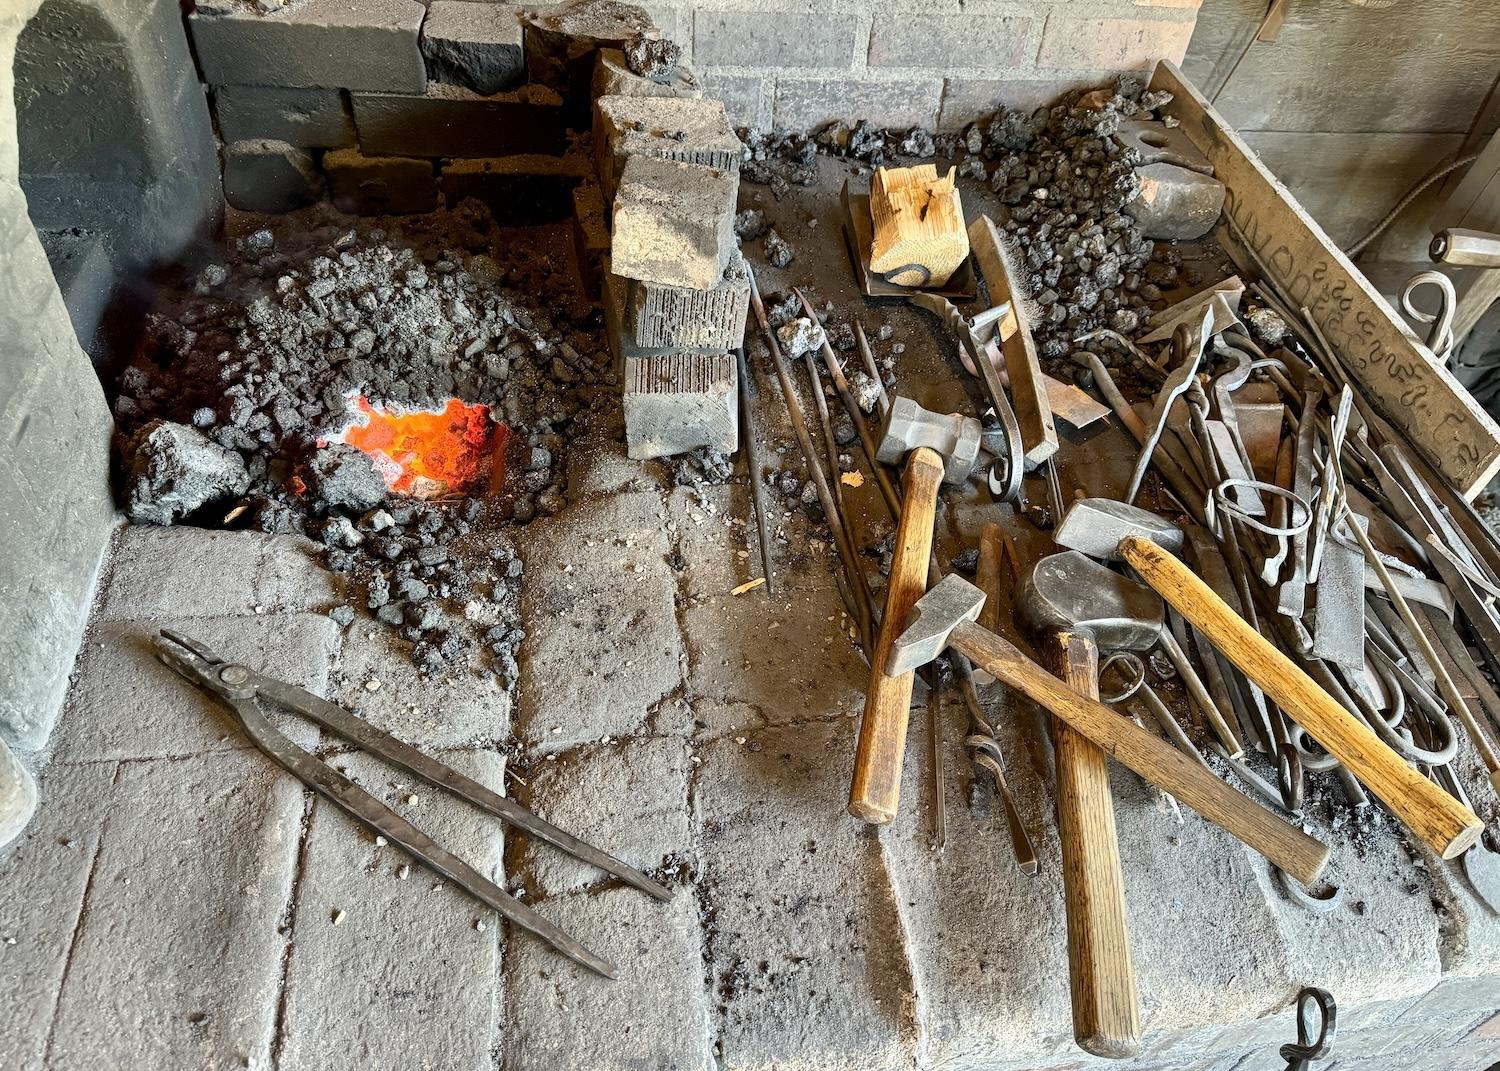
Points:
(474, 45)
(801, 665)
(713, 541)
(195, 572)
(774, 39)
(563, 41)
(938, 42)
(628, 797)
(747, 98)
(968, 99)
(118, 678)
(590, 237)
(659, 316)
(340, 44)
(453, 121)
(410, 945)
(376, 680)
(306, 118)
(52, 861)
(807, 952)
(612, 78)
(270, 176)
(17, 795)
(656, 1016)
(679, 402)
(693, 130)
(1175, 203)
(519, 190)
(673, 222)
(80, 262)
(115, 132)
(177, 959)
(602, 646)
(380, 185)
(1092, 43)
(808, 103)
(601, 466)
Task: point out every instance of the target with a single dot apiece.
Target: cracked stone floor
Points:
(180, 903)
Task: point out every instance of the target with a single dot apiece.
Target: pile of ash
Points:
(226, 415)
(1064, 181)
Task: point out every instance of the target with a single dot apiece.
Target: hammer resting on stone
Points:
(945, 617)
(938, 448)
(1108, 529)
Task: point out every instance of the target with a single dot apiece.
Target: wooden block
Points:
(918, 220)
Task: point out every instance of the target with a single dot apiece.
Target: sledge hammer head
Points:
(1095, 526)
(1071, 592)
(947, 604)
(907, 426)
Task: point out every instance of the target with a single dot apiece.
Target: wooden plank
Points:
(1028, 393)
(1401, 376)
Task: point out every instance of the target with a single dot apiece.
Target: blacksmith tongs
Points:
(239, 686)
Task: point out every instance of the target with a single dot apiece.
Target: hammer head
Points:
(1095, 526)
(907, 426)
(1071, 592)
(947, 604)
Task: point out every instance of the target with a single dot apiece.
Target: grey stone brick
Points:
(774, 39)
(270, 176)
(939, 42)
(1175, 203)
(628, 797)
(1112, 44)
(52, 862)
(118, 677)
(747, 97)
(410, 946)
(562, 45)
(783, 676)
(306, 118)
(340, 44)
(678, 402)
(806, 951)
(380, 185)
(657, 1015)
(453, 121)
(519, 190)
(808, 103)
(464, 708)
(673, 222)
(80, 261)
(17, 795)
(474, 45)
(590, 237)
(693, 130)
(968, 99)
(177, 958)
(659, 316)
(612, 78)
(602, 647)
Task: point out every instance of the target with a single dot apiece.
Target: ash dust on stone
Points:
(227, 415)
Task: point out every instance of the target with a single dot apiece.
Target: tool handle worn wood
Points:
(1106, 1003)
(1442, 822)
(876, 789)
(1165, 767)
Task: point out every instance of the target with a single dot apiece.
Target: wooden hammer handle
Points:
(876, 789)
(1106, 1005)
(1447, 826)
(1164, 766)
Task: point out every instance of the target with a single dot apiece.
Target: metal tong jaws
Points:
(239, 686)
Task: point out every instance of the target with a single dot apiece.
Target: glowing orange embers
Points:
(458, 450)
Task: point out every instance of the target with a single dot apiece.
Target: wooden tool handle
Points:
(1148, 755)
(1443, 823)
(1106, 1005)
(876, 789)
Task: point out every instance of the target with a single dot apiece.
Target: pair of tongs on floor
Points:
(239, 686)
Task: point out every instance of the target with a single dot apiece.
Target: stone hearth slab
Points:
(407, 978)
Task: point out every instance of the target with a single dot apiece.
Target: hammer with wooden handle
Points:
(1105, 528)
(945, 616)
(937, 448)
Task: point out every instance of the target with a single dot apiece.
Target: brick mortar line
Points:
(78, 923)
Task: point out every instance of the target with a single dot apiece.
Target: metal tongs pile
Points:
(1326, 531)
(242, 688)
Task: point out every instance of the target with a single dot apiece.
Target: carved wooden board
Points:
(1399, 374)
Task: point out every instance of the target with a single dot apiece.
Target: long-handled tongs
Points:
(239, 686)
